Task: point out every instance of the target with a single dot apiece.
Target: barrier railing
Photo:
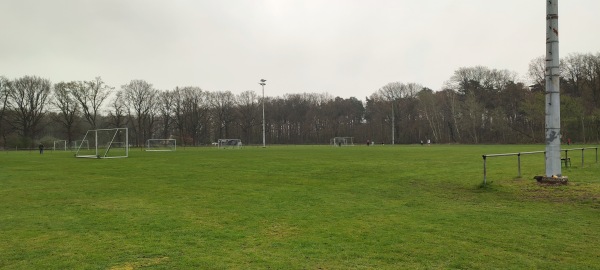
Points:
(518, 154)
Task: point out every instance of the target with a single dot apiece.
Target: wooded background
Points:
(476, 105)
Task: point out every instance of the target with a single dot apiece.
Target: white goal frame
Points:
(229, 143)
(60, 144)
(172, 142)
(342, 141)
(103, 151)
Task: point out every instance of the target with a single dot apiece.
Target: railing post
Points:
(519, 161)
(484, 171)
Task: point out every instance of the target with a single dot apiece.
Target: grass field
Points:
(297, 207)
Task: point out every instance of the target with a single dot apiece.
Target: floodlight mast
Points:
(262, 83)
(393, 123)
(552, 76)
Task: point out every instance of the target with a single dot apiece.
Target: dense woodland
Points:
(477, 105)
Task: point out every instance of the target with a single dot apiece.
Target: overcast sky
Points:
(342, 47)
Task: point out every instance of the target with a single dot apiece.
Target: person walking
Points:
(41, 146)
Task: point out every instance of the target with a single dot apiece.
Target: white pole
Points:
(393, 124)
(96, 141)
(552, 76)
(127, 142)
(262, 83)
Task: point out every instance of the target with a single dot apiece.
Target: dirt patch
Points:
(552, 180)
(581, 193)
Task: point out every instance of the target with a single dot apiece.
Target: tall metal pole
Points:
(393, 124)
(552, 76)
(262, 83)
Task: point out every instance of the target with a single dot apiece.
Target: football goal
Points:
(229, 143)
(85, 144)
(161, 145)
(105, 143)
(342, 141)
(60, 145)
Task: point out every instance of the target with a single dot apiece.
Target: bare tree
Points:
(247, 113)
(429, 108)
(67, 105)
(392, 93)
(320, 118)
(140, 99)
(91, 95)
(190, 109)
(4, 105)
(178, 113)
(536, 72)
(166, 100)
(222, 105)
(117, 114)
(28, 96)
(573, 71)
(480, 81)
(451, 106)
(592, 77)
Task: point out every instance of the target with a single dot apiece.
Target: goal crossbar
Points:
(161, 145)
(342, 141)
(62, 144)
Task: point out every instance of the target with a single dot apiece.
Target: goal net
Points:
(60, 145)
(229, 143)
(161, 145)
(105, 143)
(342, 141)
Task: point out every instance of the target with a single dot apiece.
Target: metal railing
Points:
(518, 154)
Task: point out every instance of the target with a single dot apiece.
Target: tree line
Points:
(476, 105)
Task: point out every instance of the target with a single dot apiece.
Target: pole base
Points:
(552, 180)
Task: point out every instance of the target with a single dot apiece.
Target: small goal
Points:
(105, 143)
(161, 145)
(60, 145)
(229, 143)
(342, 141)
(84, 144)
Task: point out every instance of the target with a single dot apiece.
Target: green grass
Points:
(297, 207)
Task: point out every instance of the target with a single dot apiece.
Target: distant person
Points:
(421, 142)
(368, 142)
(428, 141)
(569, 141)
(41, 146)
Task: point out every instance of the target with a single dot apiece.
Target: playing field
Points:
(297, 207)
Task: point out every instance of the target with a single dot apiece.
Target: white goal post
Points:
(342, 141)
(229, 143)
(105, 143)
(60, 145)
(161, 145)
